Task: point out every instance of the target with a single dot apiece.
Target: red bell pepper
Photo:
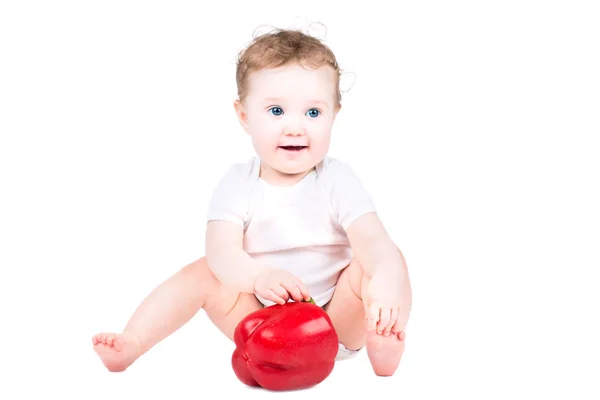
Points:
(285, 347)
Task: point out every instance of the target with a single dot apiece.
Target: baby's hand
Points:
(382, 303)
(279, 285)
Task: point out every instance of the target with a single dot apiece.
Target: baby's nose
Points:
(295, 130)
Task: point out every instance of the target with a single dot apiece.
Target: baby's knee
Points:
(354, 274)
(222, 302)
(196, 270)
(199, 274)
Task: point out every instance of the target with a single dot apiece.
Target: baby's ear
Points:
(336, 110)
(241, 114)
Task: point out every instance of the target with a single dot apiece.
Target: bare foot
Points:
(117, 351)
(385, 352)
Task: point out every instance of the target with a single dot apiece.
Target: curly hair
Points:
(279, 47)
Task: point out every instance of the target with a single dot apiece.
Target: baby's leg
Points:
(347, 312)
(170, 306)
(346, 308)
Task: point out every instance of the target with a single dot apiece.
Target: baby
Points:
(287, 225)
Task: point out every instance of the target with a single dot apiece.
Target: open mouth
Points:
(293, 148)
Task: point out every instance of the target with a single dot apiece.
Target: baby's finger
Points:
(293, 289)
(392, 321)
(271, 295)
(384, 319)
(281, 292)
(303, 289)
(398, 328)
(296, 294)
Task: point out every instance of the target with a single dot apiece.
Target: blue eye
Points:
(313, 112)
(276, 111)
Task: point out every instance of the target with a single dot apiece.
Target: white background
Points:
(474, 124)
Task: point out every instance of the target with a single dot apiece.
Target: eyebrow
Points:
(278, 99)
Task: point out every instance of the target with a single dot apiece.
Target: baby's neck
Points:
(278, 178)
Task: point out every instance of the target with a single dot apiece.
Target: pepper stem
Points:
(309, 301)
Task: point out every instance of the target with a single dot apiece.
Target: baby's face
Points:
(289, 112)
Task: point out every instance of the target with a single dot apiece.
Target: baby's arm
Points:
(373, 247)
(384, 265)
(233, 267)
(227, 259)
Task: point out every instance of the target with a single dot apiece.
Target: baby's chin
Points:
(294, 168)
(293, 171)
(287, 167)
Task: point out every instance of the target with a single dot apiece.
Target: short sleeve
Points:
(231, 198)
(348, 196)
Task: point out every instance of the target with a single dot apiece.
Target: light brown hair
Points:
(279, 47)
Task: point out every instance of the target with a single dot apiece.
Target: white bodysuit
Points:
(300, 228)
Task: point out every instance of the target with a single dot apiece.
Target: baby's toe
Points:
(105, 338)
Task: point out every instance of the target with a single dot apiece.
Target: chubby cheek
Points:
(319, 141)
(319, 149)
(264, 133)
